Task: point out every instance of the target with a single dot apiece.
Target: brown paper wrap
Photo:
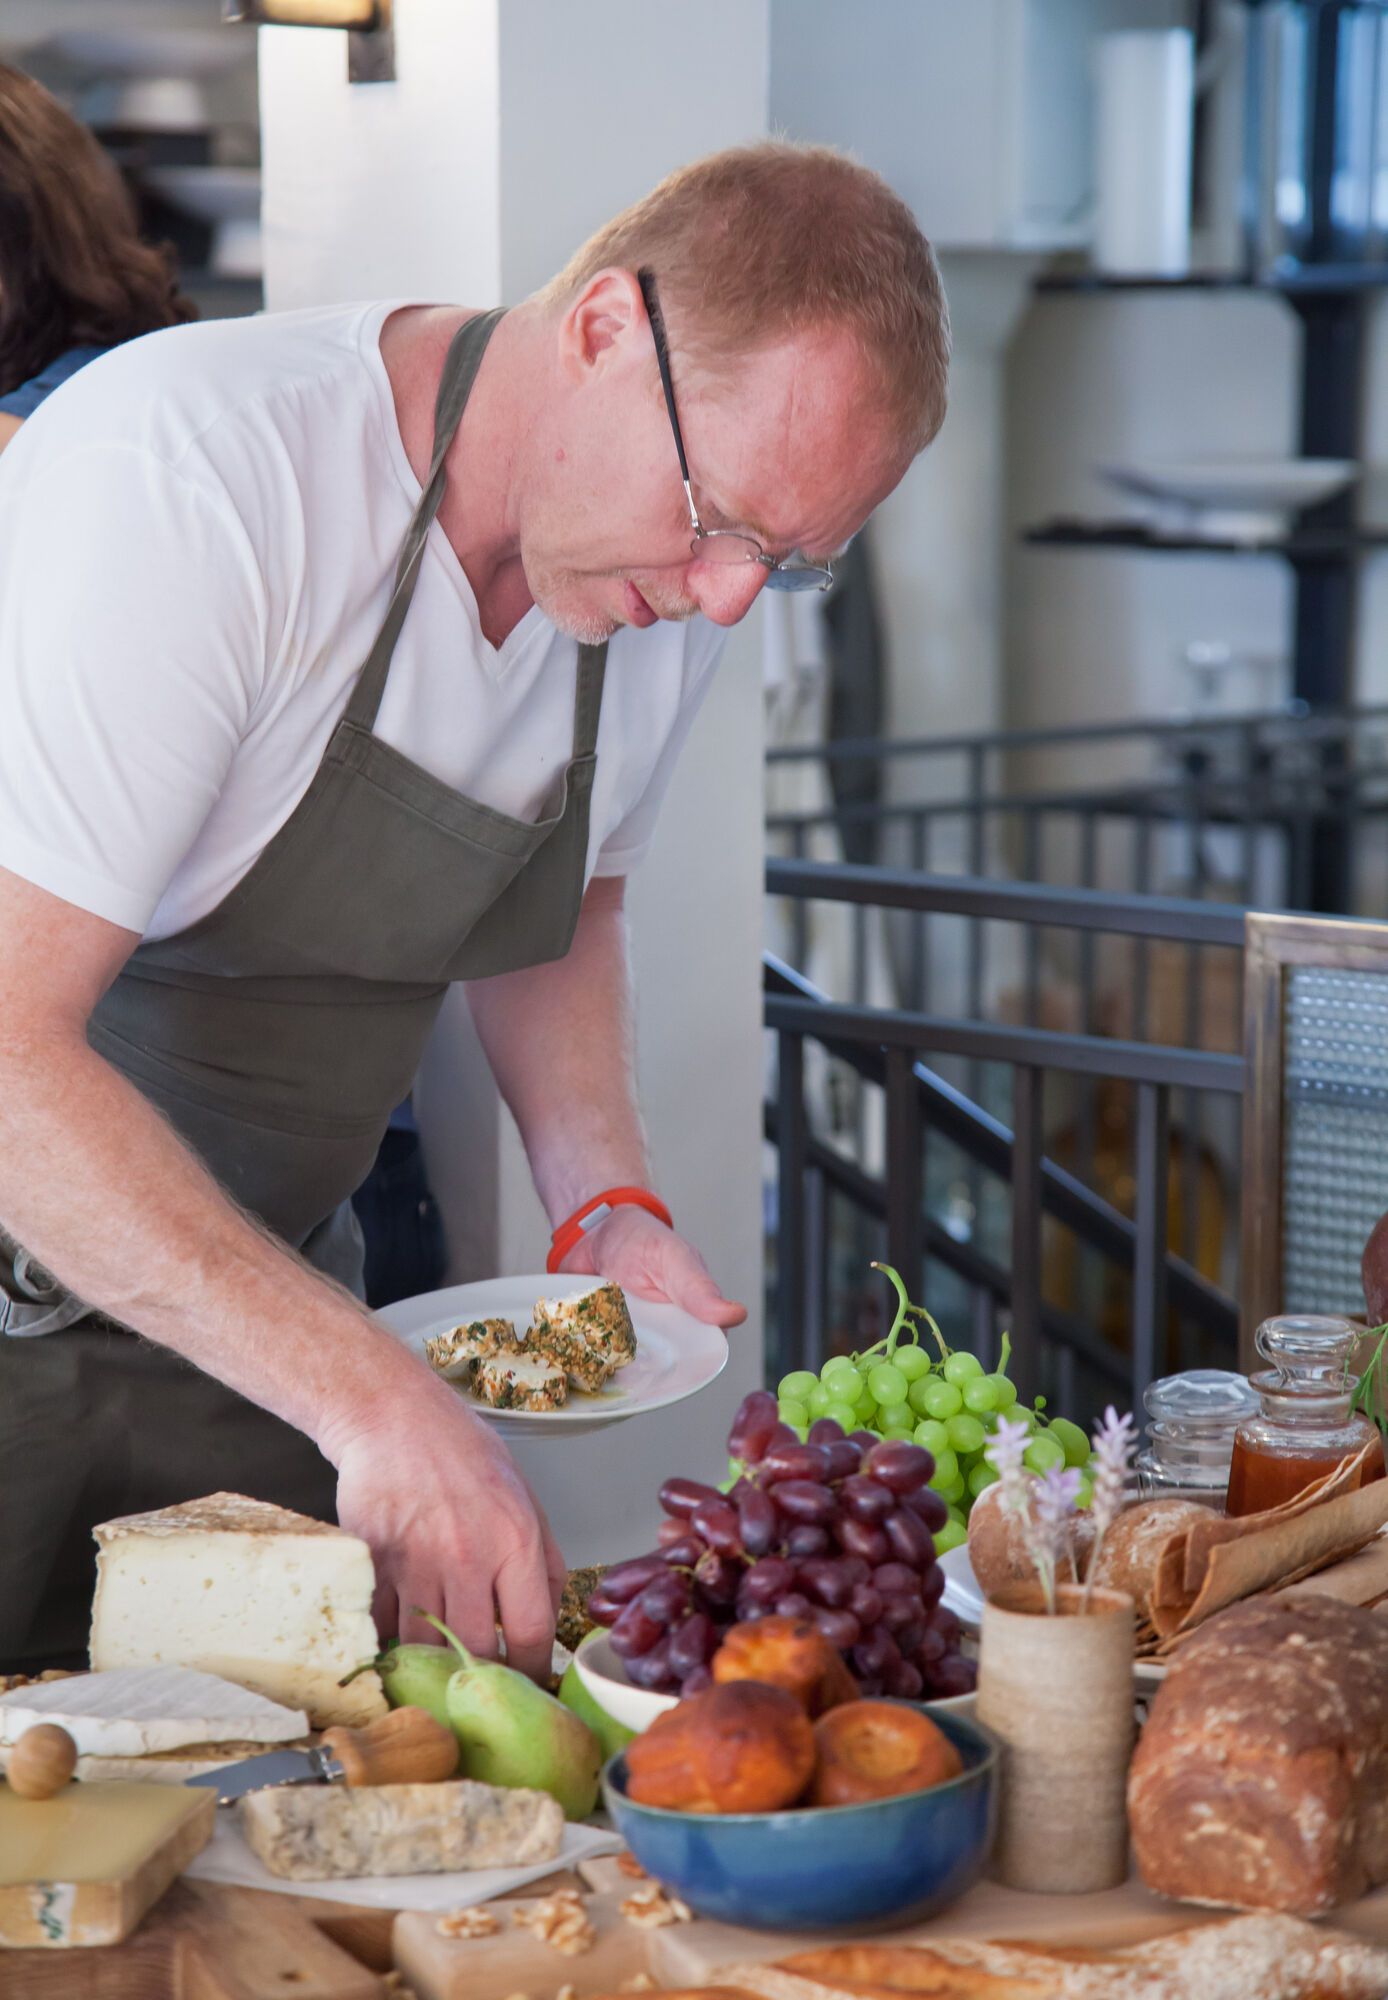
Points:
(1277, 1549)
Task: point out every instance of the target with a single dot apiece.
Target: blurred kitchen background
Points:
(1107, 672)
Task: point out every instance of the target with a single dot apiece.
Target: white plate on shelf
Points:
(1236, 498)
(965, 1600)
(604, 1676)
(676, 1355)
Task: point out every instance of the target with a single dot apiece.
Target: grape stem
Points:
(904, 1311)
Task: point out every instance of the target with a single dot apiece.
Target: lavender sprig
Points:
(1003, 1452)
(1052, 1511)
(1044, 1507)
(1115, 1440)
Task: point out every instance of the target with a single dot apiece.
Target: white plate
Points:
(965, 1600)
(604, 1676)
(1234, 497)
(676, 1355)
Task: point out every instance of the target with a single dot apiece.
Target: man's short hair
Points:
(764, 241)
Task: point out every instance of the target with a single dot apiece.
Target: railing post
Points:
(793, 1132)
(1149, 1264)
(1026, 1228)
(905, 1189)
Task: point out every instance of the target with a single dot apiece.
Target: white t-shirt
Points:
(197, 539)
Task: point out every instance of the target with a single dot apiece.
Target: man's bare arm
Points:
(561, 1041)
(102, 1191)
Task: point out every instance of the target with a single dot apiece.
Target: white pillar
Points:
(513, 131)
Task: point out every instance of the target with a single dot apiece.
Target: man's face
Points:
(789, 448)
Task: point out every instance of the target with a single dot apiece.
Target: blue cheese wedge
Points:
(457, 1353)
(521, 1382)
(319, 1833)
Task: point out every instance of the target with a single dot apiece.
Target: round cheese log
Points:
(1127, 1559)
(997, 1548)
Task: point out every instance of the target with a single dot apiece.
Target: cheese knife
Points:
(406, 1747)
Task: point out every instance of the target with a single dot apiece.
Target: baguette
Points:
(1246, 1958)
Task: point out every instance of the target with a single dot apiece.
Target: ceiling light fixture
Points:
(370, 32)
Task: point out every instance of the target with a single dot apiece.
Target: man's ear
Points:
(598, 326)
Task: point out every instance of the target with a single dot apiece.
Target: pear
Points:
(611, 1734)
(514, 1734)
(414, 1677)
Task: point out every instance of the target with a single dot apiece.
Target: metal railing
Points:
(1176, 1312)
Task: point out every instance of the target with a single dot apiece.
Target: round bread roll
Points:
(997, 1548)
(1127, 1559)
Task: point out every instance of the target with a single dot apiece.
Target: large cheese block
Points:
(272, 1600)
(316, 1833)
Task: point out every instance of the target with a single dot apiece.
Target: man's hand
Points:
(453, 1527)
(640, 1254)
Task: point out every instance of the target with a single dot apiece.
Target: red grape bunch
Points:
(838, 1529)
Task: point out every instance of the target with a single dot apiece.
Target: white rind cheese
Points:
(255, 1594)
(313, 1833)
(140, 1711)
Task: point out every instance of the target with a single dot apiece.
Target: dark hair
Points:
(73, 270)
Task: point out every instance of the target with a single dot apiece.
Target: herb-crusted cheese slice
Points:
(595, 1324)
(313, 1833)
(521, 1382)
(258, 1595)
(457, 1353)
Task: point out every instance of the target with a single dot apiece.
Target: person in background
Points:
(75, 279)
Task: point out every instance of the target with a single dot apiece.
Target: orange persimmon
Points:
(876, 1750)
(735, 1749)
(789, 1653)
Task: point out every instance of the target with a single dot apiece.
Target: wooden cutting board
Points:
(512, 1960)
(205, 1941)
(81, 1869)
(688, 1954)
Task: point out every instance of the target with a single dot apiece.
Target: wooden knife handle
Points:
(406, 1747)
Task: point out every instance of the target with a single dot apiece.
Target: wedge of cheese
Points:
(140, 1711)
(313, 1833)
(271, 1600)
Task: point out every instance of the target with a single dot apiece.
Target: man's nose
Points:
(725, 592)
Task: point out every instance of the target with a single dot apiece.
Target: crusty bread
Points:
(1261, 1780)
(1127, 1558)
(997, 1550)
(1246, 1958)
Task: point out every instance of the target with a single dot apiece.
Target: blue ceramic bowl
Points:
(890, 1861)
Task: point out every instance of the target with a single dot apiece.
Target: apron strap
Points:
(460, 367)
(592, 665)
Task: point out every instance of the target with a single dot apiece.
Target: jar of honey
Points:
(1306, 1425)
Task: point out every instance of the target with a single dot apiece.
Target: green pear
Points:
(611, 1734)
(514, 1734)
(415, 1677)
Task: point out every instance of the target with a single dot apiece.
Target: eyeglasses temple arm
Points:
(645, 278)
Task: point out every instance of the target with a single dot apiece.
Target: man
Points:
(295, 733)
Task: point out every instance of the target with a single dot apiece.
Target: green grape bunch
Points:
(947, 1402)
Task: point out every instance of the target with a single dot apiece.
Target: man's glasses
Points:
(722, 545)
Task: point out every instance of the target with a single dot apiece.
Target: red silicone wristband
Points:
(597, 1210)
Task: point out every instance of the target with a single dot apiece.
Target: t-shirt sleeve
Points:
(626, 845)
(132, 650)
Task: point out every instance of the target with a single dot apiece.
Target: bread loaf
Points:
(1127, 1558)
(1261, 1780)
(1246, 1958)
(997, 1545)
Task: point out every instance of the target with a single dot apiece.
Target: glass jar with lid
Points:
(1190, 1439)
(1306, 1424)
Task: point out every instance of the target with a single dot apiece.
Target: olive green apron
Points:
(276, 1034)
